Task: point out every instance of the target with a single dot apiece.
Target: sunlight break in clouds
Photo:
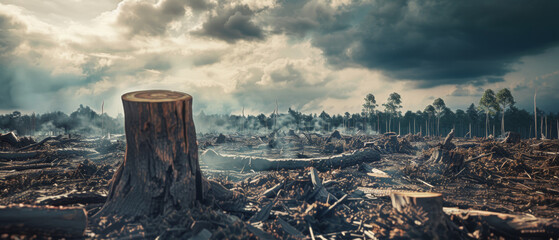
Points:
(309, 55)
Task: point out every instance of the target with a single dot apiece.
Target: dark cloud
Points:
(301, 17)
(435, 41)
(199, 5)
(144, 18)
(232, 24)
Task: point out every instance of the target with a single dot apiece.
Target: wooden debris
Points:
(511, 225)
(290, 229)
(264, 213)
(273, 190)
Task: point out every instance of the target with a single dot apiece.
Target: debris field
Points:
(299, 185)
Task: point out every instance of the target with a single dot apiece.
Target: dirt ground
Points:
(517, 179)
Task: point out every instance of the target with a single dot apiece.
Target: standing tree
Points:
(391, 106)
(439, 109)
(488, 103)
(429, 112)
(505, 99)
(370, 104)
(472, 117)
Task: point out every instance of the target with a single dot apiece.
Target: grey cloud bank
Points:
(310, 55)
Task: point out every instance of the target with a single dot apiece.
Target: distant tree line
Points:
(83, 121)
(493, 115)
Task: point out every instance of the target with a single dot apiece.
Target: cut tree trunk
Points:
(431, 203)
(160, 172)
(43, 221)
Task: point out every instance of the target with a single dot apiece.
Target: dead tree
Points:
(160, 171)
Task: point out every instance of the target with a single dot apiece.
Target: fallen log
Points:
(224, 161)
(44, 221)
(18, 155)
(20, 167)
(31, 154)
(511, 225)
(40, 143)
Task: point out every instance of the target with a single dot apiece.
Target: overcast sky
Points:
(307, 55)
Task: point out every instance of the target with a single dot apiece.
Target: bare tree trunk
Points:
(541, 126)
(503, 123)
(160, 171)
(486, 122)
(427, 127)
(414, 126)
(536, 117)
(546, 133)
(439, 126)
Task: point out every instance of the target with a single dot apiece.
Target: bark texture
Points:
(160, 172)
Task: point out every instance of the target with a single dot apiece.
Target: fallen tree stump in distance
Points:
(511, 137)
(224, 161)
(44, 221)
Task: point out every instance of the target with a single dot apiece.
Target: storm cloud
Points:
(310, 55)
(231, 24)
(435, 42)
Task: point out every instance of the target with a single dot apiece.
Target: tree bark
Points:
(160, 171)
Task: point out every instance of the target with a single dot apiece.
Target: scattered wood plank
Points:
(333, 206)
(290, 229)
(259, 232)
(273, 190)
(264, 213)
(476, 158)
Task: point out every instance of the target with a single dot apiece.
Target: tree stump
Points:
(430, 202)
(160, 172)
